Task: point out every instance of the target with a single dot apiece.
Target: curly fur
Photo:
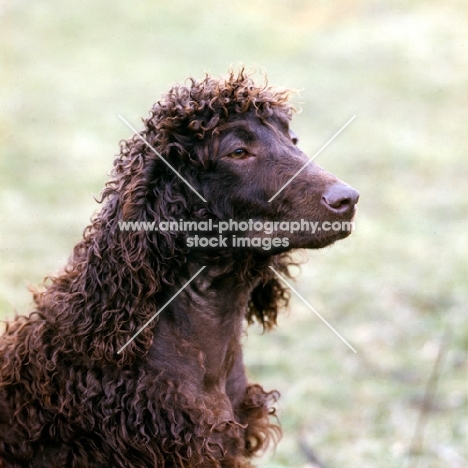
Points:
(177, 395)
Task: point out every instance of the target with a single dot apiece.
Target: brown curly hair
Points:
(177, 395)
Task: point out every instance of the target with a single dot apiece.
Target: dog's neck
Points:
(205, 321)
(211, 299)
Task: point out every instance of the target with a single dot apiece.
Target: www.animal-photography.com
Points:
(233, 234)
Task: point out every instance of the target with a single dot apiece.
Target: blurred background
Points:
(396, 289)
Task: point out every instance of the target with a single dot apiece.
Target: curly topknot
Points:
(188, 113)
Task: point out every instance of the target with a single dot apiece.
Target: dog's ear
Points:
(134, 258)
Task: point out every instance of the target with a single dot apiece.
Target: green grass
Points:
(391, 289)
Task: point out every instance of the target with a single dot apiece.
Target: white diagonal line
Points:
(156, 152)
(314, 311)
(312, 158)
(160, 310)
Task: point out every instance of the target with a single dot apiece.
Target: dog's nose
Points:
(340, 199)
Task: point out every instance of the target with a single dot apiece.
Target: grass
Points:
(392, 289)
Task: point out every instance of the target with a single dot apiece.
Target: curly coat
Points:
(177, 395)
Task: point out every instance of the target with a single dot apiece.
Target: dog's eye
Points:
(238, 153)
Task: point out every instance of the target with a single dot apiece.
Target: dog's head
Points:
(229, 142)
(219, 150)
